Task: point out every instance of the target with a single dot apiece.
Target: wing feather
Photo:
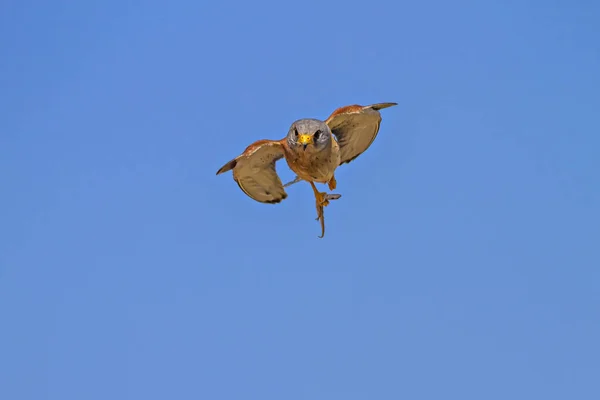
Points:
(355, 128)
(255, 172)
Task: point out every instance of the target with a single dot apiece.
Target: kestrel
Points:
(313, 149)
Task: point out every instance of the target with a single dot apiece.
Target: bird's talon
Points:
(323, 198)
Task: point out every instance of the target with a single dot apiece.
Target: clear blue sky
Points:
(462, 262)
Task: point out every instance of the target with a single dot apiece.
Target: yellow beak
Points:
(305, 139)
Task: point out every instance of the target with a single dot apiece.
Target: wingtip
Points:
(227, 167)
(380, 106)
(277, 200)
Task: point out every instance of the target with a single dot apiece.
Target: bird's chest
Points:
(312, 165)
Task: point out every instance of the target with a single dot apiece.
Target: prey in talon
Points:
(313, 149)
(320, 211)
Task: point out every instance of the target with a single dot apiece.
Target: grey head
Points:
(310, 134)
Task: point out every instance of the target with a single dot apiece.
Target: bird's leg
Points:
(322, 200)
(332, 183)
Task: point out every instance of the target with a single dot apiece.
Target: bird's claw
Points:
(324, 202)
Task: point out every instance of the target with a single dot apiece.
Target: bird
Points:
(313, 150)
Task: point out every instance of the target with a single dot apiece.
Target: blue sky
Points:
(462, 261)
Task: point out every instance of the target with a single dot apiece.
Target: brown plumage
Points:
(313, 149)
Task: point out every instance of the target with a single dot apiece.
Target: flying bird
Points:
(313, 150)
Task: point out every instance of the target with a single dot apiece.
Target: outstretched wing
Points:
(355, 127)
(254, 171)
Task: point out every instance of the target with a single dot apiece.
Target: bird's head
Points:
(310, 134)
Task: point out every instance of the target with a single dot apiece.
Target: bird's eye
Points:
(295, 131)
(317, 134)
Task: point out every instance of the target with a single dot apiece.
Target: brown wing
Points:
(254, 171)
(355, 127)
